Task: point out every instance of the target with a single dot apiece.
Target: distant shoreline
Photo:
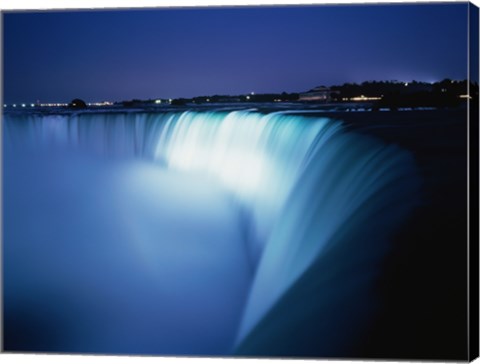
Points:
(375, 94)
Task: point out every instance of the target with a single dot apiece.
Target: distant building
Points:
(318, 94)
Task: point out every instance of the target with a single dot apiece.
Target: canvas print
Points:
(250, 181)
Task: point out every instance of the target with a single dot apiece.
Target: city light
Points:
(364, 98)
(103, 103)
(53, 105)
(23, 105)
(158, 101)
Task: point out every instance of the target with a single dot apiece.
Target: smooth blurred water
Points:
(211, 217)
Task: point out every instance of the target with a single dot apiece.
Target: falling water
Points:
(304, 185)
(256, 157)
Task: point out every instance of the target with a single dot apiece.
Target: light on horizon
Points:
(53, 105)
(103, 103)
(363, 98)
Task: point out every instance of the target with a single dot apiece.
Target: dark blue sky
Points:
(119, 55)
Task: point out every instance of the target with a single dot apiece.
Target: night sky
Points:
(121, 55)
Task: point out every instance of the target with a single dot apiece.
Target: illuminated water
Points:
(188, 227)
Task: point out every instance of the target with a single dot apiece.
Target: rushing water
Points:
(279, 189)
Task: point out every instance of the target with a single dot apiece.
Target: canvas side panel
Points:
(473, 105)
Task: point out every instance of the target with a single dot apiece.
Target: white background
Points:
(86, 4)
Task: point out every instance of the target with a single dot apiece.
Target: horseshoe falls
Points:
(190, 232)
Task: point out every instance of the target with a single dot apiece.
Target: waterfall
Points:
(307, 186)
(353, 194)
(256, 157)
